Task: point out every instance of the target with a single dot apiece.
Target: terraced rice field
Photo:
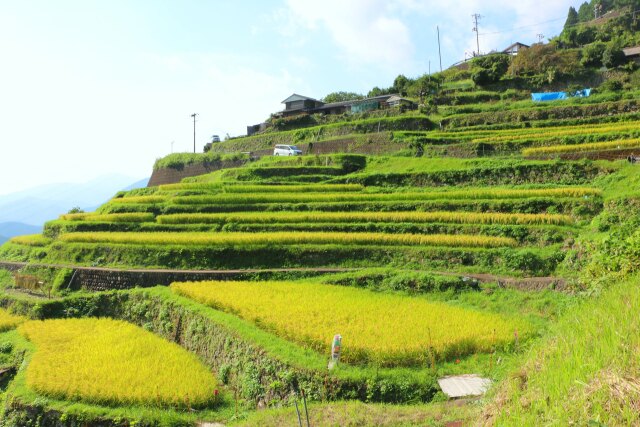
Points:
(288, 238)
(115, 363)
(383, 329)
(9, 321)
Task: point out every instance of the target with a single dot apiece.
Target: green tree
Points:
(572, 18)
(489, 69)
(342, 96)
(592, 55)
(612, 56)
(585, 12)
(401, 84)
(376, 91)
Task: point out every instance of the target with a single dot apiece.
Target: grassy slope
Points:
(362, 414)
(586, 371)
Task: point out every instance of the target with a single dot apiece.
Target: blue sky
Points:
(91, 87)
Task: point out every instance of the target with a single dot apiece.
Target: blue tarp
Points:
(556, 96)
(548, 96)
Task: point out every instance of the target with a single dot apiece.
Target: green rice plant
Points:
(578, 148)
(378, 328)
(347, 217)
(289, 238)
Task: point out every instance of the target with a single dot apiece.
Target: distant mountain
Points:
(37, 205)
(138, 184)
(10, 229)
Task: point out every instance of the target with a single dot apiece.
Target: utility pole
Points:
(194, 131)
(475, 17)
(439, 51)
(540, 37)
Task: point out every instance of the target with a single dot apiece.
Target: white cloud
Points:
(362, 29)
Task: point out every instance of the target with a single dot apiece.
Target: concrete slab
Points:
(464, 385)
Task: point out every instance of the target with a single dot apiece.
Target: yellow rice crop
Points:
(341, 217)
(9, 321)
(31, 240)
(140, 199)
(535, 133)
(113, 362)
(388, 329)
(290, 238)
(472, 194)
(575, 148)
(115, 217)
(328, 188)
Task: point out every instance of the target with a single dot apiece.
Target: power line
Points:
(577, 24)
(520, 28)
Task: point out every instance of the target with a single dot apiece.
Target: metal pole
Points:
(304, 401)
(298, 412)
(439, 51)
(194, 131)
(477, 16)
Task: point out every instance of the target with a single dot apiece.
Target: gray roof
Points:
(296, 97)
(512, 47)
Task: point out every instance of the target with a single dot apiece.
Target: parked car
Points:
(287, 150)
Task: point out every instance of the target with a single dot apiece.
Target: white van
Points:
(287, 150)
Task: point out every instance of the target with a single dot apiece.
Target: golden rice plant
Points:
(9, 321)
(467, 194)
(244, 188)
(290, 238)
(113, 362)
(559, 131)
(140, 199)
(348, 217)
(115, 217)
(31, 240)
(576, 148)
(387, 329)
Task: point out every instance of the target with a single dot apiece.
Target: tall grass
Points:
(586, 372)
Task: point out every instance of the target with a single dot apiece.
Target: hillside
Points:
(481, 233)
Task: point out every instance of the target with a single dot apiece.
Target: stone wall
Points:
(174, 175)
